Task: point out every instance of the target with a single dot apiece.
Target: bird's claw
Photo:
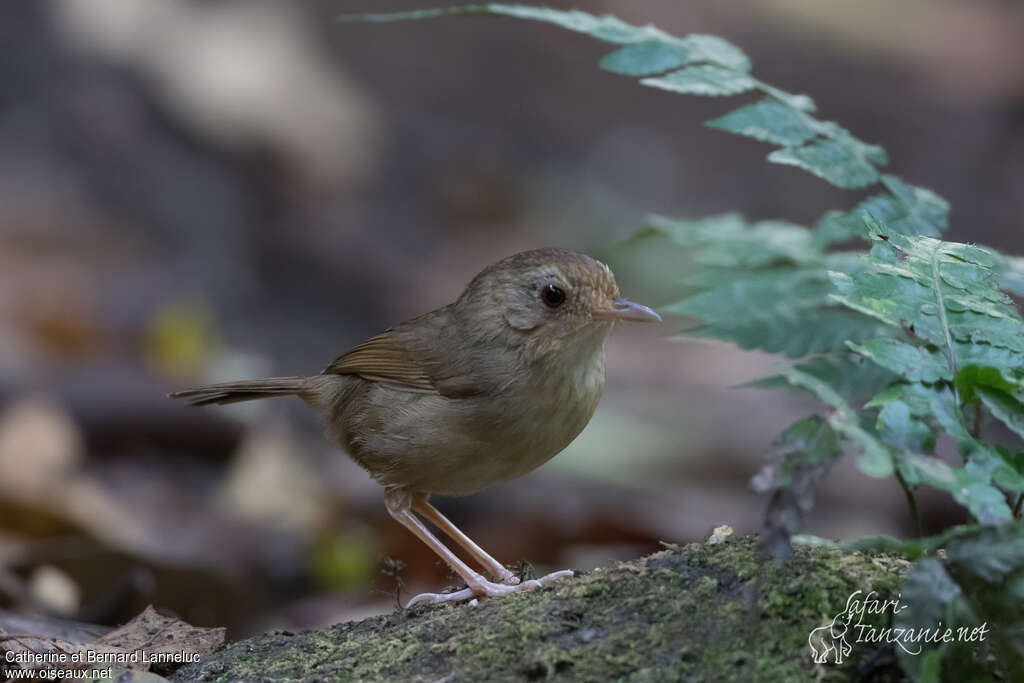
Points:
(508, 578)
(484, 588)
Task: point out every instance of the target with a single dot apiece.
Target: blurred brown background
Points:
(200, 191)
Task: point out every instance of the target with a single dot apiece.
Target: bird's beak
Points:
(623, 309)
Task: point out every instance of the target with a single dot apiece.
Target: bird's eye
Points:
(552, 296)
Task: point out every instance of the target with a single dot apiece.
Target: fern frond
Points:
(945, 293)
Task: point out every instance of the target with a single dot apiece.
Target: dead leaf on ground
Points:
(137, 644)
(152, 632)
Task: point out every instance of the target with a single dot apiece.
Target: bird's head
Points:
(553, 296)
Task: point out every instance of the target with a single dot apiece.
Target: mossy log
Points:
(700, 612)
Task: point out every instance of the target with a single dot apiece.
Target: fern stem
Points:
(976, 426)
(950, 350)
(1018, 506)
(911, 503)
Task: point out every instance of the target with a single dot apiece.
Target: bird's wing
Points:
(411, 356)
(383, 357)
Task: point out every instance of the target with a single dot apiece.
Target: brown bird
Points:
(482, 390)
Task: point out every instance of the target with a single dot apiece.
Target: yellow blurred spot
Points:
(180, 339)
(341, 562)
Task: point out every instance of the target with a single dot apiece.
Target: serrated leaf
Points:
(768, 121)
(898, 427)
(849, 374)
(969, 485)
(946, 411)
(716, 50)
(875, 459)
(927, 589)
(1006, 408)
(928, 592)
(915, 400)
(908, 210)
(990, 554)
(925, 213)
(706, 79)
(836, 226)
(840, 164)
(971, 589)
(760, 244)
(657, 56)
(972, 377)
(915, 363)
(647, 57)
(995, 464)
(1011, 274)
(912, 548)
(802, 333)
(606, 27)
(942, 292)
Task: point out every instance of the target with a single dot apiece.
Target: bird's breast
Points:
(554, 404)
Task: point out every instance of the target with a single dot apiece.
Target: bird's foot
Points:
(508, 578)
(484, 588)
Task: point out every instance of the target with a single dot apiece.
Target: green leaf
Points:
(850, 375)
(760, 244)
(657, 56)
(647, 57)
(971, 377)
(605, 27)
(707, 48)
(977, 587)
(908, 210)
(985, 463)
(996, 464)
(931, 667)
(836, 226)
(793, 332)
(928, 593)
(972, 485)
(924, 212)
(768, 121)
(875, 458)
(1011, 274)
(898, 427)
(990, 554)
(706, 79)
(840, 164)
(928, 589)
(912, 548)
(766, 286)
(909, 394)
(915, 363)
(946, 411)
(1006, 408)
(942, 292)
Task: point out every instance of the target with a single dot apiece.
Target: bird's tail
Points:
(245, 390)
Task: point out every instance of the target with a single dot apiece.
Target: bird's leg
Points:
(399, 504)
(496, 569)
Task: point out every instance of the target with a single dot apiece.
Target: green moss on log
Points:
(694, 613)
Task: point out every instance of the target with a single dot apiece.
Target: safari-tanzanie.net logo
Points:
(833, 642)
